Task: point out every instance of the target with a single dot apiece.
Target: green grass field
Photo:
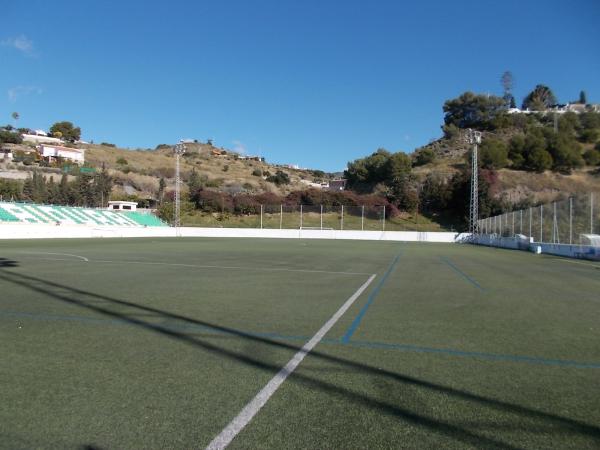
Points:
(160, 343)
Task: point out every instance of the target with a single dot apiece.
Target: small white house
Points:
(122, 206)
(55, 152)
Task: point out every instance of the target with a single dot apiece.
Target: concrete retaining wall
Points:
(33, 231)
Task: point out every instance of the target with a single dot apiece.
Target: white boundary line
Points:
(196, 266)
(265, 269)
(83, 258)
(577, 262)
(254, 406)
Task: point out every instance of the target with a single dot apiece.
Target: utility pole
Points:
(179, 150)
(474, 138)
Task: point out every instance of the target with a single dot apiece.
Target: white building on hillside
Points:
(52, 153)
(35, 139)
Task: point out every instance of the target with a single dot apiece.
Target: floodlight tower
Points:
(474, 138)
(179, 150)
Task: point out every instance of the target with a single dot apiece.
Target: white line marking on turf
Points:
(265, 269)
(576, 262)
(83, 258)
(252, 408)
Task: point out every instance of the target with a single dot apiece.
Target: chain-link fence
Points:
(319, 217)
(575, 220)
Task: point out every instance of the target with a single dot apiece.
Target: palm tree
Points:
(15, 117)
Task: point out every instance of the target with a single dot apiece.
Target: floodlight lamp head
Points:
(179, 148)
(473, 137)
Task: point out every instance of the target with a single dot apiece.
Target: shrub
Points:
(257, 173)
(592, 157)
(8, 137)
(424, 156)
(279, 178)
(121, 161)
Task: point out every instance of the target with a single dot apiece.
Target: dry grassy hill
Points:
(139, 171)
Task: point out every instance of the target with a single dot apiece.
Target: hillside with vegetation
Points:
(536, 154)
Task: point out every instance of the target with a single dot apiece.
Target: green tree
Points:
(535, 152)
(582, 98)
(397, 165)
(67, 131)
(493, 154)
(102, 187)
(28, 189)
(540, 99)
(161, 190)
(364, 173)
(403, 192)
(435, 194)
(424, 156)
(195, 185)
(565, 152)
(473, 111)
(516, 151)
(53, 191)
(64, 191)
(10, 189)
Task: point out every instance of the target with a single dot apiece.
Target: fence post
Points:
(530, 222)
(541, 223)
(342, 219)
(300, 215)
(321, 217)
(280, 216)
(362, 219)
(261, 216)
(513, 223)
(555, 236)
(521, 221)
(571, 220)
(383, 219)
(591, 213)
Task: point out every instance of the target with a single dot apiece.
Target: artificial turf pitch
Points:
(141, 344)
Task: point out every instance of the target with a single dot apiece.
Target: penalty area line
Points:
(254, 406)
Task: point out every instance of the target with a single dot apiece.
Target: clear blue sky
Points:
(311, 82)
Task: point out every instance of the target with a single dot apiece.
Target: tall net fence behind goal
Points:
(575, 220)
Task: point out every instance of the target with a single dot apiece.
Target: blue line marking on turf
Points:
(480, 355)
(359, 344)
(358, 319)
(460, 272)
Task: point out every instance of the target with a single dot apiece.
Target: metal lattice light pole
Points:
(179, 150)
(474, 138)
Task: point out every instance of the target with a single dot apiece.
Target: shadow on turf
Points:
(8, 263)
(553, 424)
